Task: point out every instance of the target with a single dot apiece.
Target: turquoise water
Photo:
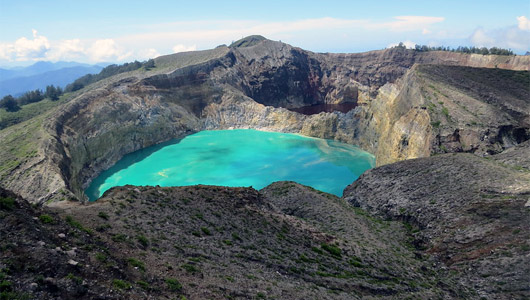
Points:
(239, 158)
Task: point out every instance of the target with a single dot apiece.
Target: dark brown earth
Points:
(284, 242)
(471, 213)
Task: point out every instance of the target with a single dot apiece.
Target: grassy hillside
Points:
(28, 111)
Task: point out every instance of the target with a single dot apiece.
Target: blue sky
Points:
(118, 31)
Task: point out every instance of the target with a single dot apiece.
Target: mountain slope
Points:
(461, 233)
(214, 242)
(472, 213)
(450, 226)
(403, 110)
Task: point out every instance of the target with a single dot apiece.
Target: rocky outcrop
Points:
(110, 125)
(47, 256)
(406, 109)
(471, 213)
(204, 242)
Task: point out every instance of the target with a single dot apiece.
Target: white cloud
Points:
(524, 23)
(147, 54)
(103, 49)
(35, 48)
(510, 37)
(25, 49)
(480, 38)
(106, 50)
(183, 48)
(6, 52)
(66, 50)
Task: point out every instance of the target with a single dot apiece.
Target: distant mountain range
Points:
(16, 81)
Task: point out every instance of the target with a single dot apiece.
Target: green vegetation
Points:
(53, 92)
(445, 111)
(101, 257)
(119, 237)
(148, 65)
(103, 227)
(190, 268)
(30, 97)
(46, 219)
(7, 203)
(460, 49)
(410, 228)
(142, 240)
(356, 262)
(435, 124)
(74, 278)
(103, 215)
(144, 285)
(121, 284)
(7, 293)
(331, 249)
(12, 104)
(235, 236)
(136, 263)
(5, 285)
(173, 284)
(76, 224)
(206, 231)
(304, 258)
(317, 250)
(26, 112)
(9, 103)
(108, 71)
(6, 289)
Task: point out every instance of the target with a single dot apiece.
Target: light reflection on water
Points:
(240, 157)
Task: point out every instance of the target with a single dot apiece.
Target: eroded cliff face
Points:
(111, 124)
(402, 125)
(404, 108)
(439, 109)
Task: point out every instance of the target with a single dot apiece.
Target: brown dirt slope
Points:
(284, 242)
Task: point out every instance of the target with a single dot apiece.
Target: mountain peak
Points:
(248, 41)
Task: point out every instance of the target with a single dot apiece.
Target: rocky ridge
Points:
(449, 226)
(472, 213)
(285, 241)
(404, 110)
